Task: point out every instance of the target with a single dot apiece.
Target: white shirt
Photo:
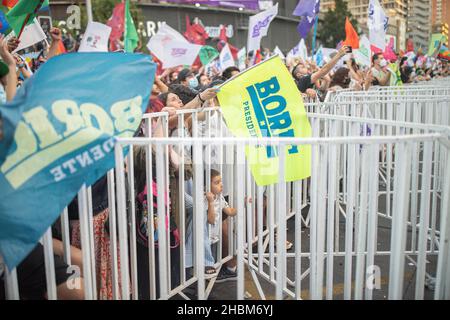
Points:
(219, 204)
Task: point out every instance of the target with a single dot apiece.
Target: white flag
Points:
(164, 35)
(242, 56)
(363, 54)
(178, 53)
(95, 39)
(258, 27)
(377, 22)
(226, 58)
(31, 35)
(279, 52)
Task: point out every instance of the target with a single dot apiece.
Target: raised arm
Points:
(327, 68)
(56, 35)
(11, 77)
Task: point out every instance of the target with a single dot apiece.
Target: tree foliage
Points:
(332, 26)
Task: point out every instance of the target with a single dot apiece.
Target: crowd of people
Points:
(176, 89)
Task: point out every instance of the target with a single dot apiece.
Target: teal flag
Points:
(59, 133)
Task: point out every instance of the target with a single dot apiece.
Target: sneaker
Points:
(226, 275)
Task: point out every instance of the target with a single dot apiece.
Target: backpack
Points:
(142, 218)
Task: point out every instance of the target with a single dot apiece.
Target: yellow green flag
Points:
(265, 102)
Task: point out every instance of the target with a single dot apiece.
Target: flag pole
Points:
(314, 35)
(89, 10)
(27, 18)
(24, 24)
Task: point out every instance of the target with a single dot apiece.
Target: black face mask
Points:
(347, 81)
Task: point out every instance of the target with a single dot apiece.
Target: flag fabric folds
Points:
(309, 10)
(23, 13)
(351, 36)
(195, 33)
(377, 22)
(437, 39)
(59, 133)
(95, 38)
(258, 27)
(131, 37)
(207, 54)
(117, 24)
(264, 101)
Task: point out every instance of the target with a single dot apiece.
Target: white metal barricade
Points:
(371, 204)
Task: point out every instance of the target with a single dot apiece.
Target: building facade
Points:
(419, 22)
(395, 9)
(440, 17)
(282, 32)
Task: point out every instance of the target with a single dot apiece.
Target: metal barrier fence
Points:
(378, 195)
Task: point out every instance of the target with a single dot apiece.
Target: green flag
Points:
(131, 38)
(23, 13)
(207, 54)
(435, 43)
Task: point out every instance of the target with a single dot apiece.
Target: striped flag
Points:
(23, 13)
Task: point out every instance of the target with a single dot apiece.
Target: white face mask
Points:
(383, 63)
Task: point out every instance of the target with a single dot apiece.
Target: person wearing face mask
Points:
(379, 72)
(305, 79)
(188, 79)
(341, 79)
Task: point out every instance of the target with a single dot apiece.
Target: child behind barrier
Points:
(215, 204)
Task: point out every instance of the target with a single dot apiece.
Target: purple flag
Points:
(304, 26)
(307, 8)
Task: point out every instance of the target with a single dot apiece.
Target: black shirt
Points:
(304, 83)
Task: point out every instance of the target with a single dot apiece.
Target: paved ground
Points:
(227, 290)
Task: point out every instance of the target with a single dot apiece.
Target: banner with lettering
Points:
(264, 102)
(59, 133)
(258, 27)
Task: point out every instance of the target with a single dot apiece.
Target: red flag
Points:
(258, 57)
(224, 40)
(351, 37)
(9, 3)
(409, 46)
(223, 34)
(195, 33)
(117, 24)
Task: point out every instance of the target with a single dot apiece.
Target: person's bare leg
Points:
(73, 289)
